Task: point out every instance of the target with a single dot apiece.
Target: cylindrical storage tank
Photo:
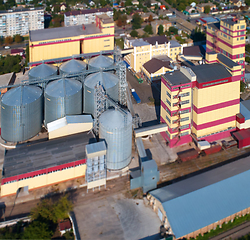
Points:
(100, 62)
(109, 81)
(41, 72)
(21, 113)
(116, 129)
(73, 67)
(62, 97)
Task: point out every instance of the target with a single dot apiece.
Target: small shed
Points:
(64, 226)
(242, 137)
(69, 125)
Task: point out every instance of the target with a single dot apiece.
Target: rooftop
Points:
(21, 10)
(87, 11)
(105, 18)
(210, 72)
(63, 32)
(194, 51)
(153, 40)
(227, 61)
(231, 21)
(174, 44)
(155, 64)
(201, 200)
(245, 109)
(176, 78)
(214, 25)
(5, 79)
(38, 156)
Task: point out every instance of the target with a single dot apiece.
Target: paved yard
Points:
(116, 217)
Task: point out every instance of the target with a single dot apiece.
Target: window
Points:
(242, 26)
(168, 102)
(241, 55)
(184, 119)
(168, 119)
(238, 33)
(210, 84)
(242, 38)
(183, 94)
(184, 111)
(168, 94)
(184, 126)
(169, 113)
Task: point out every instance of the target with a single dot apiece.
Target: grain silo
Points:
(110, 83)
(73, 67)
(41, 72)
(100, 62)
(21, 113)
(116, 130)
(62, 97)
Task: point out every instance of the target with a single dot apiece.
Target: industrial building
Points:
(228, 37)
(86, 16)
(143, 50)
(39, 165)
(63, 42)
(202, 102)
(201, 203)
(55, 103)
(21, 21)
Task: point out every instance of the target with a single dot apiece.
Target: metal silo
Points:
(41, 72)
(116, 129)
(109, 81)
(21, 113)
(73, 67)
(100, 62)
(62, 97)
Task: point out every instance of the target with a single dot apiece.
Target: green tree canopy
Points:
(37, 230)
(160, 30)
(207, 9)
(18, 38)
(134, 33)
(136, 21)
(148, 29)
(173, 30)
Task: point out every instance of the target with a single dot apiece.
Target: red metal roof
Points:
(64, 225)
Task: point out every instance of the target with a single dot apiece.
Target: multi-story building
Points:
(228, 37)
(21, 21)
(85, 16)
(147, 48)
(201, 101)
(63, 42)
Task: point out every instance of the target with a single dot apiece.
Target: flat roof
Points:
(193, 51)
(21, 10)
(206, 198)
(176, 78)
(105, 18)
(214, 25)
(63, 32)
(227, 61)
(210, 72)
(38, 156)
(87, 11)
(5, 79)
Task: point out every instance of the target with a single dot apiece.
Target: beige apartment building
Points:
(21, 21)
(145, 49)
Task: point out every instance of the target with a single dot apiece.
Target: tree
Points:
(18, 38)
(150, 18)
(148, 3)
(198, 36)
(134, 33)
(37, 230)
(160, 30)
(8, 40)
(136, 21)
(148, 29)
(173, 30)
(207, 9)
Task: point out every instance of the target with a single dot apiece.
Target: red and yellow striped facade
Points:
(228, 38)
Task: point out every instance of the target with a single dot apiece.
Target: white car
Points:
(7, 47)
